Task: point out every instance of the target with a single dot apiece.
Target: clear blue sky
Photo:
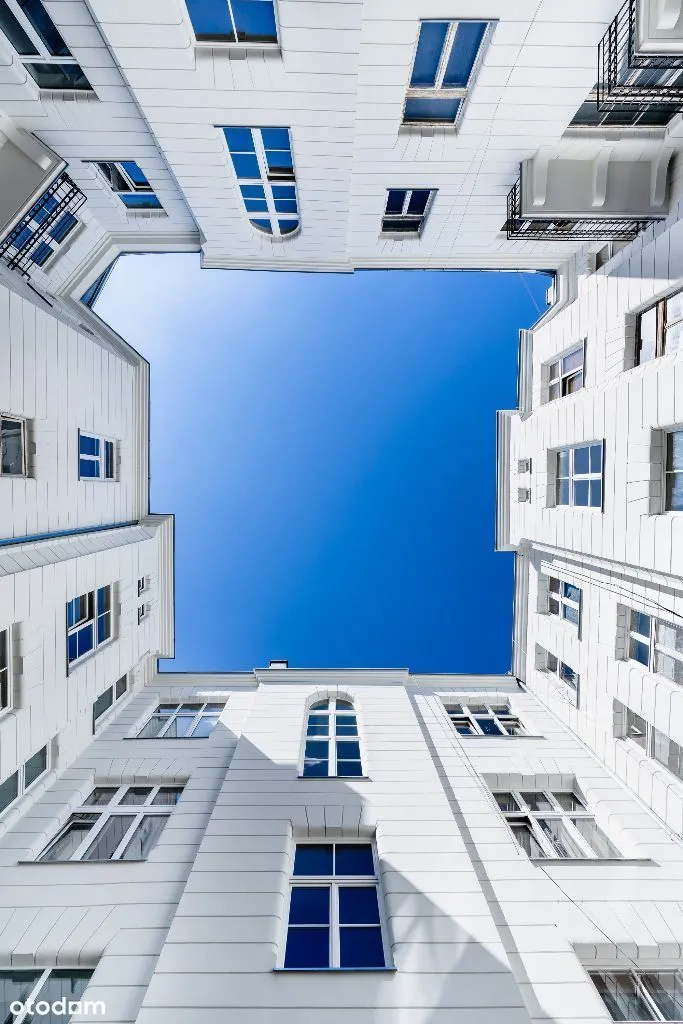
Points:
(327, 444)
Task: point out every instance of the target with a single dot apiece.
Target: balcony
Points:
(640, 57)
(564, 229)
(43, 227)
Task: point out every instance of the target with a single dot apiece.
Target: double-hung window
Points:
(629, 725)
(564, 600)
(641, 995)
(484, 719)
(556, 667)
(5, 677)
(334, 912)
(264, 167)
(565, 375)
(332, 746)
(659, 330)
(12, 446)
(553, 824)
(406, 210)
(656, 644)
(179, 721)
(95, 457)
(106, 700)
(673, 471)
(127, 180)
(40, 46)
(23, 778)
(44, 989)
(88, 623)
(446, 58)
(578, 476)
(115, 823)
(234, 21)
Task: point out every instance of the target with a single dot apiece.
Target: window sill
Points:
(239, 48)
(153, 739)
(47, 863)
(609, 861)
(333, 970)
(331, 778)
(523, 736)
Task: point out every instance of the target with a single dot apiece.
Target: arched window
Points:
(332, 745)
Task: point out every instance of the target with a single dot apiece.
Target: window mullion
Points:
(332, 741)
(127, 836)
(648, 999)
(335, 959)
(168, 725)
(582, 843)
(541, 838)
(263, 167)
(232, 18)
(445, 54)
(89, 838)
(41, 49)
(32, 996)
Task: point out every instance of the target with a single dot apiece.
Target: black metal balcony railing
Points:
(564, 228)
(51, 218)
(629, 77)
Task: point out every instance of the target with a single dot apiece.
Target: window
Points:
(95, 457)
(578, 477)
(5, 655)
(43, 989)
(264, 167)
(559, 668)
(659, 329)
(332, 747)
(553, 824)
(23, 778)
(656, 644)
(128, 182)
(673, 471)
(42, 230)
(115, 823)
(640, 995)
(484, 719)
(179, 721)
(629, 725)
(233, 21)
(142, 613)
(334, 917)
(142, 585)
(12, 446)
(406, 210)
(619, 115)
(564, 600)
(106, 700)
(565, 375)
(39, 44)
(92, 294)
(445, 61)
(88, 623)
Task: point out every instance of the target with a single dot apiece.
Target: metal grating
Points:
(564, 228)
(628, 77)
(45, 225)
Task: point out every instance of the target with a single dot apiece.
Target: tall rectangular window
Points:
(106, 701)
(263, 163)
(447, 55)
(656, 644)
(12, 445)
(96, 457)
(194, 719)
(127, 180)
(553, 824)
(641, 995)
(406, 210)
(48, 987)
(334, 916)
(5, 655)
(88, 623)
(564, 600)
(656, 744)
(673, 470)
(484, 719)
(659, 329)
(234, 21)
(23, 778)
(578, 476)
(40, 46)
(115, 823)
(555, 666)
(331, 745)
(565, 375)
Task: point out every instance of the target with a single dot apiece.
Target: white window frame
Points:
(574, 477)
(42, 54)
(404, 215)
(652, 642)
(437, 91)
(20, 772)
(116, 697)
(335, 882)
(22, 422)
(114, 808)
(267, 182)
(6, 680)
(642, 991)
(99, 459)
(561, 379)
(91, 617)
(32, 997)
(563, 601)
(554, 665)
(669, 472)
(218, 42)
(525, 815)
(332, 738)
(198, 716)
(464, 713)
(662, 326)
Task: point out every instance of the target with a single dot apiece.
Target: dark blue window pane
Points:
(72, 647)
(85, 639)
(286, 206)
(570, 614)
(43, 208)
(140, 201)
(310, 905)
(211, 19)
(88, 468)
(109, 459)
(90, 296)
(316, 749)
(581, 463)
(468, 39)
(103, 628)
(354, 859)
(275, 138)
(308, 947)
(262, 225)
(63, 226)
(596, 458)
(568, 675)
(570, 591)
(489, 727)
(246, 165)
(360, 947)
(417, 204)
(71, 612)
(255, 21)
(134, 172)
(358, 905)
(348, 750)
(284, 192)
(253, 191)
(240, 140)
(103, 600)
(596, 493)
(279, 160)
(320, 705)
(346, 729)
(9, 791)
(256, 205)
(581, 492)
(428, 54)
(640, 623)
(313, 859)
(41, 254)
(287, 226)
(433, 111)
(639, 651)
(349, 769)
(58, 76)
(15, 32)
(316, 769)
(317, 730)
(45, 27)
(395, 199)
(20, 236)
(88, 445)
